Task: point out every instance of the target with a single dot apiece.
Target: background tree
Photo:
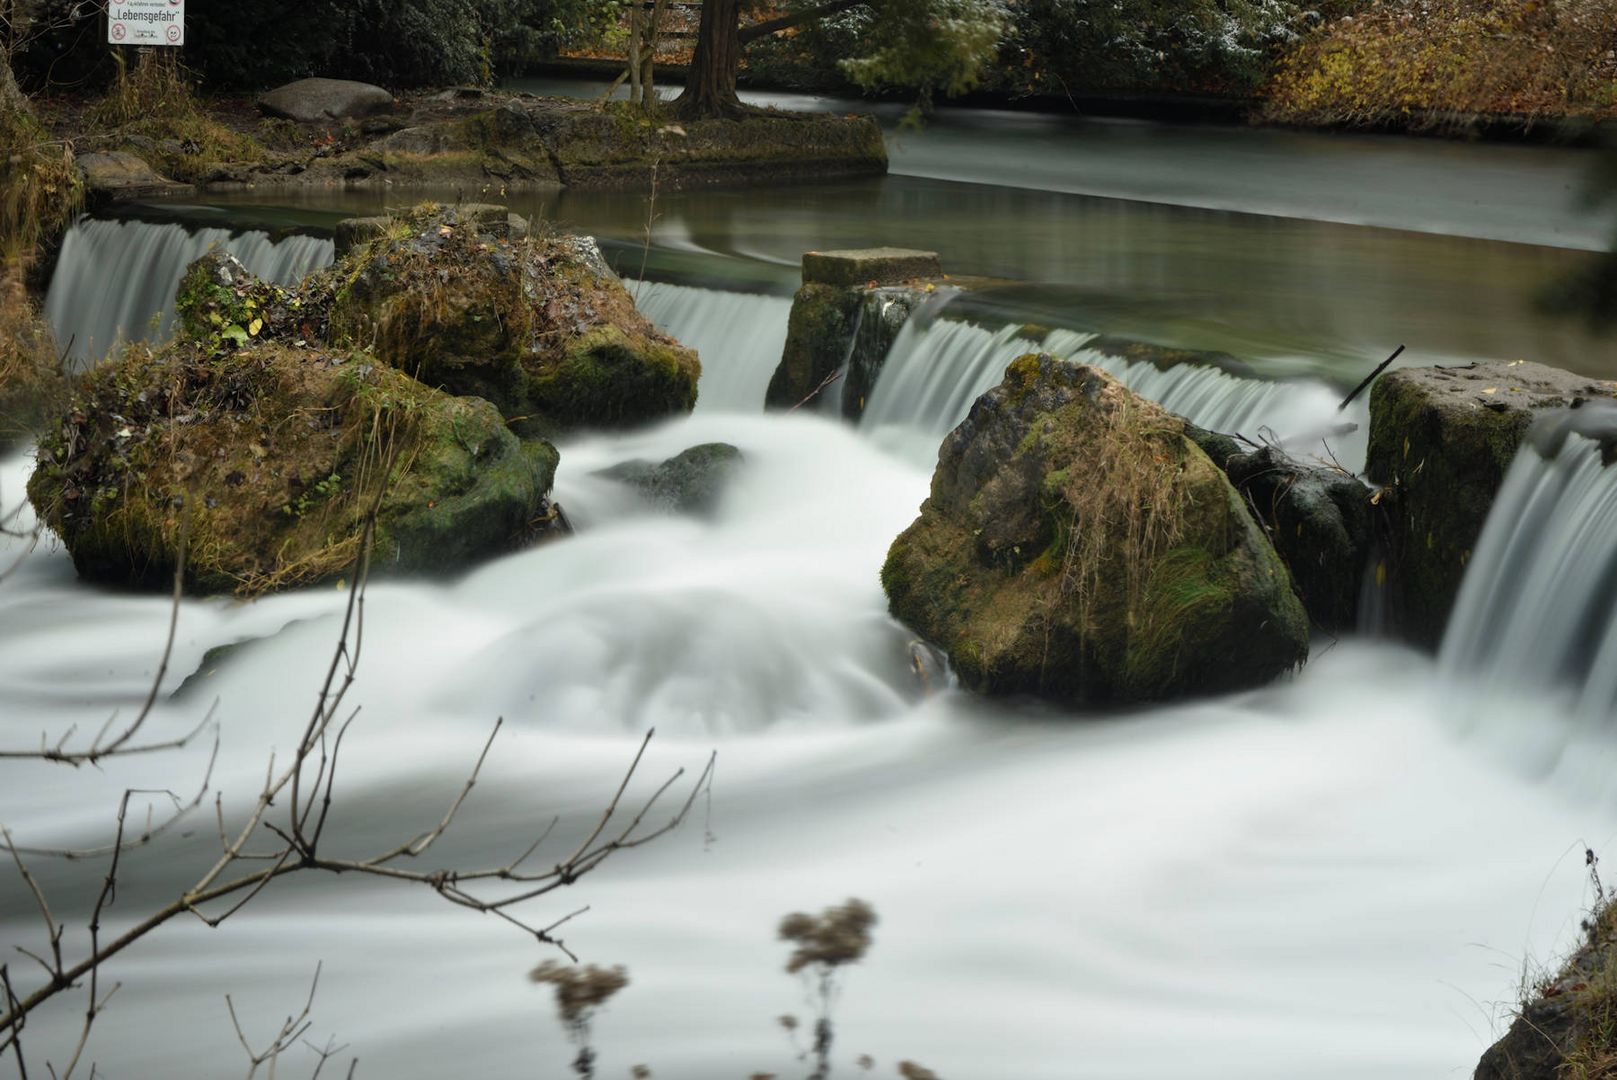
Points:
(925, 45)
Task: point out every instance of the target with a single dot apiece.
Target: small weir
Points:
(115, 280)
(936, 369)
(739, 337)
(1538, 607)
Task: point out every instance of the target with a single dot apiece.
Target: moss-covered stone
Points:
(264, 462)
(537, 325)
(870, 266)
(619, 147)
(1078, 545)
(1441, 439)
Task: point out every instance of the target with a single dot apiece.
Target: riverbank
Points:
(479, 142)
(1165, 107)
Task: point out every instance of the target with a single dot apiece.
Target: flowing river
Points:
(1347, 874)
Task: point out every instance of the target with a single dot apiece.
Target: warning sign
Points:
(146, 22)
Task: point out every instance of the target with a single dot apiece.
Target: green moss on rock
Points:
(537, 325)
(264, 462)
(1077, 545)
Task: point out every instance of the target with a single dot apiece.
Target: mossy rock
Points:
(537, 325)
(264, 463)
(1441, 439)
(621, 147)
(690, 482)
(1079, 546)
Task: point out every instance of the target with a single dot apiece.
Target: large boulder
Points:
(1079, 545)
(312, 101)
(1317, 517)
(539, 325)
(264, 460)
(1441, 439)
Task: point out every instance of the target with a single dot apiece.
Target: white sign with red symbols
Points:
(146, 22)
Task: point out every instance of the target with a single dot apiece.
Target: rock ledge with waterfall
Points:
(282, 418)
(1078, 545)
(1441, 440)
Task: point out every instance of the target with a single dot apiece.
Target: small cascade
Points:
(936, 370)
(738, 335)
(115, 280)
(1538, 607)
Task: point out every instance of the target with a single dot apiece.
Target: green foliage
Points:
(929, 45)
(1064, 46)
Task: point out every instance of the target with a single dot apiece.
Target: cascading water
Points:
(937, 368)
(1537, 609)
(739, 337)
(115, 280)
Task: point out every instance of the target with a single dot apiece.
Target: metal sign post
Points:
(146, 22)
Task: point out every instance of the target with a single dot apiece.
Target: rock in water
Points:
(311, 101)
(540, 326)
(1078, 545)
(263, 461)
(1441, 439)
(689, 482)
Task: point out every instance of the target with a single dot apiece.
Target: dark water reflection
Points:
(1299, 293)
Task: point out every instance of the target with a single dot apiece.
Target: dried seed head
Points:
(579, 990)
(838, 935)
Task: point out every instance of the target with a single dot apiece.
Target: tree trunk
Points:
(12, 99)
(635, 68)
(710, 88)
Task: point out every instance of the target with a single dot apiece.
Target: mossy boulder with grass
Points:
(264, 461)
(1441, 440)
(1566, 1028)
(539, 325)
(1078, 545)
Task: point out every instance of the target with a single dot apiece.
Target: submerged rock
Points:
(1317, 517)
(264, 463)
(310, 101)
(1441, 439)
(1077, 544)
(690, 482)
(540, 326)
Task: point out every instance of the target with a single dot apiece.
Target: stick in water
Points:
(1370, 378)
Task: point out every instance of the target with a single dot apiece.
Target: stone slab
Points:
(869, 266)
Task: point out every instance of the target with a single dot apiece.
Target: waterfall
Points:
(739, 337)
(1537, 609)
(935, 371)
(115, 280)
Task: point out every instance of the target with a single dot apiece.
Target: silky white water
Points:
(1323, 878)
(936, 368)
(739, 337)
